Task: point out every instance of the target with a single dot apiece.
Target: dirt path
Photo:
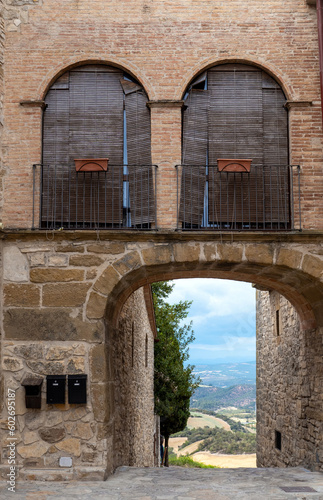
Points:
(226, 461)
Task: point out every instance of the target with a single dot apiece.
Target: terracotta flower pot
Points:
(92, 165)
(234, 165)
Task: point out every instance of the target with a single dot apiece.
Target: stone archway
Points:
(292, 272)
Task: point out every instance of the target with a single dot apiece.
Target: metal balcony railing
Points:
(123, 197)
(265, 199)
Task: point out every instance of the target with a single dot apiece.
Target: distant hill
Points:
(213, 398)
(227, 374)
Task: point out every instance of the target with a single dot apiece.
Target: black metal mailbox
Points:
(56, 389)
(32, 387)
(77, 389)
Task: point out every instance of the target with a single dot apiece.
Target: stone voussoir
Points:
(127, 263)
(289, 258)
(161, 254)
(261, 254)
(96, 306)
(313, 266)
(107, 281)
(187, 253)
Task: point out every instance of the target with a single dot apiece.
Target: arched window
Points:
(97, 112)
(235, 111)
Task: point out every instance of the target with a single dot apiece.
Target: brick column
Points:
(166, 125)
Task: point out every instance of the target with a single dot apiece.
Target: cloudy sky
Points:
(223, 315)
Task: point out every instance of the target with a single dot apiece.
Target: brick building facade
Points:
(68, 280)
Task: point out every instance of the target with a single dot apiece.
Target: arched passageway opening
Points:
(270, 269)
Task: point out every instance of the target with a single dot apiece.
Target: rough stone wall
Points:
(289, 378)
(134, 388)
(45, 287)
(164, 44)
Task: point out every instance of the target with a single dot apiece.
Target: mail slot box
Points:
(56, 389)
(32, 387)
(77, 389)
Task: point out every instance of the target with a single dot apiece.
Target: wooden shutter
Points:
(55, 152)
(275, 126)
(141, 180)
(247, 120)
(195, 141)
(84, 119)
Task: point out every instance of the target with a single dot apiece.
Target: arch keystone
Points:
(261, 254)
(230, 252)
(157, 255)
(186, 253)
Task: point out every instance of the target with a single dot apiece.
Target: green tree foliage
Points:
(174, 383)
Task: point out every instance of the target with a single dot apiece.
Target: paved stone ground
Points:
(177, 484)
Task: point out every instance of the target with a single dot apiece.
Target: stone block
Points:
(86, 260)
(52, 435)
(70, 247)
(111, 248)
(12, 364)
(96, 306)
(97, 360)
(99, 402)
(313, 266)
(76, 365)
(184, 252)
(289, 258)
(107, 281)
(46, 367)
(82, 430)
(128, 263)
(230, 252)
(34, 450)
(210, 252)
(58, 353)
(36, 259)
(56, 275)
(15, 264)
(65, 294)
(49, 324)
(21, 295)
(30, 437)
(57, 260)
(71, 446)
(261, 254)
(161, 254)
(91, 274)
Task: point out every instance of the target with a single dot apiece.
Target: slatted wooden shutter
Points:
(141, 180)
(277, 197)
(195, 140)
(84, 119)
(235, 131)
(55, 151)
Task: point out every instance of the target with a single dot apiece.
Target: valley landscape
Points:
(221, 430)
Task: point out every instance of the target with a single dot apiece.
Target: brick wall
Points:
(164, 44)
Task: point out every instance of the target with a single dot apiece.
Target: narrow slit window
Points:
(146, 351)
(278, 440)
(277, 322)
